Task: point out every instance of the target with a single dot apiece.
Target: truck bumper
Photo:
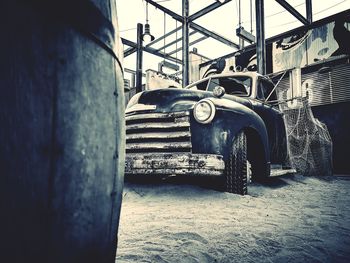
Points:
(174, 164)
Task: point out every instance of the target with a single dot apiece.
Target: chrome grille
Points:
(158, 132)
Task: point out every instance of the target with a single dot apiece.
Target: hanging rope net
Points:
(309, 142)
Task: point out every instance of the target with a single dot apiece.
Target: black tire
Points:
(235, 180)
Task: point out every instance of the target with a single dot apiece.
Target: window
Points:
(199, 86)
(265, 87)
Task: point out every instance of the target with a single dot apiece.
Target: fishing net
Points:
(309, 142)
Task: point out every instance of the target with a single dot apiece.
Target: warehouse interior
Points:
(320, 47)
(122, 142)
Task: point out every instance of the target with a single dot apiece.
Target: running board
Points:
(280, 172)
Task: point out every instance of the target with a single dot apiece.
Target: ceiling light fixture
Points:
(147, 36)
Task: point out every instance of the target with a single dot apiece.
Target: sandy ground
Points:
(291, 219)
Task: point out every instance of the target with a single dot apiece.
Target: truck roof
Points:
(229, 74)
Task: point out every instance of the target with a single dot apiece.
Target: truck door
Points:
(273, 119)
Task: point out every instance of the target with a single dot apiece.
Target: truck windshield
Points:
(201, 85)
(237, 85)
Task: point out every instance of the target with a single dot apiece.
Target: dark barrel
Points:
(61, 131)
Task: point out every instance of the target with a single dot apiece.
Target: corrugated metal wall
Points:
(325, 88)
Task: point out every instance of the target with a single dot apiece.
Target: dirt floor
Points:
(291, 219)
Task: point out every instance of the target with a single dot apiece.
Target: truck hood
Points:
(169, 100)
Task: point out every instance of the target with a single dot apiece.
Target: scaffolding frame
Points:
(188, 23)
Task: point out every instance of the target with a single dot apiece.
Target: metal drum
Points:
(61, 131)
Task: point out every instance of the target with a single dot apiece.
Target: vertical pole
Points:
(185, 40)
(239, 13)
(241, 43)
(139, 58)
(309, 10)
(260, 37)
(251, 17)
(241, 40)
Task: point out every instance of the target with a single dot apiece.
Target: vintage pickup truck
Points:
(225, 125)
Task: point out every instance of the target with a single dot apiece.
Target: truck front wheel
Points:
(235, 174)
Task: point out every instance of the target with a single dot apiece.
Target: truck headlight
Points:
(204, 111)
(134, 100)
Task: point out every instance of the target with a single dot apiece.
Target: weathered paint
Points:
(159, 135)
(158, 145)
(174, 164)
(154, 116)
(156, 125)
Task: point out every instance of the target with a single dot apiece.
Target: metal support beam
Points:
(294, 12)
(206, 10)
(192, 25)
(260, 37)
(175, 41)
(214, 35)
(241, 40)
(241, 43)
(190, 44)
(164, 36)
(131, 50)
(166, 10)
(151, 51)
(168, 65)
(244, 35)
(130, 71)
(185, 42)
(139, 58)
(186, 23)
(309, 10)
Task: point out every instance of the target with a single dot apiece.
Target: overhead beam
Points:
(164, 36)
(130, 71)
(214, 35)
(192, 25)
(131, 50)
(167, 64)
(166, 10)
(190, 44)
(207, 9)
(151, 51)
(176, 40)
(293, 11)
